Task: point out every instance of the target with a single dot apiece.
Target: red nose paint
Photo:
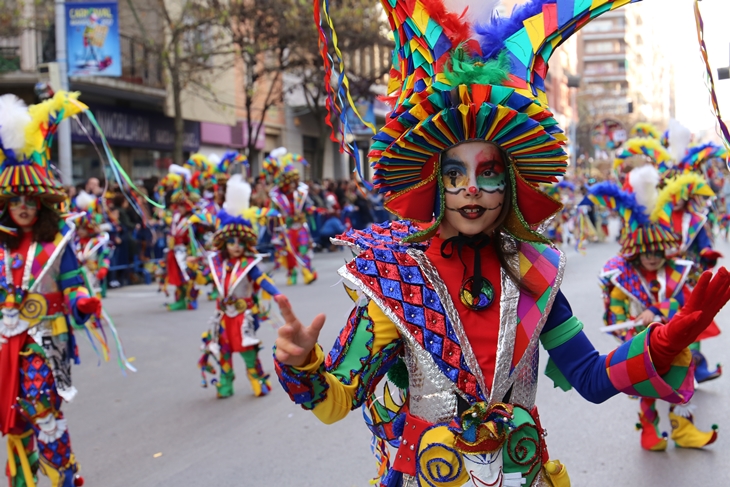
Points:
(472, 189)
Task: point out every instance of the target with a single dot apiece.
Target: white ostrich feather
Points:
(477, 11)
(278, 152)
(84, 200)
(214, 158)
(14, 117)
(183, 171)
(238, 195)
(679, 139)
(644, 180)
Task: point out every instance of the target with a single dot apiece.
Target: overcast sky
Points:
(677, 31)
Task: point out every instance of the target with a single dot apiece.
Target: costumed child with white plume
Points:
(239, 281)
(644, 285)
(455, 300)
(289, 198)
(92, 241)
(184, 250)
(42, 295)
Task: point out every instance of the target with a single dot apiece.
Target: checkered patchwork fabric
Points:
(304, 388)
(539, 268)
(628, 279)
(397, 280)
(387, 234)
(632, 372)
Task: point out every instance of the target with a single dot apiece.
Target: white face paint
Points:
(475, 179)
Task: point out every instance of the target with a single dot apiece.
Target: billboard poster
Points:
(92, 39)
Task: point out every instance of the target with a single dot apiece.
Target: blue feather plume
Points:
(624, 201)
(224, 218)
(495, 31)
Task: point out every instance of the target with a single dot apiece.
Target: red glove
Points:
(101, 275)
(89, 306)
(707, 299)
(710, 254)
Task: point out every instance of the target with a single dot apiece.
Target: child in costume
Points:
(681, 206)
(641, 286)
(454, 311)
(184, 251)
(234, 268)
(289, 198)
(43, 296)
(92, 243)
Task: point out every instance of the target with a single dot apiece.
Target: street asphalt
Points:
(158, 427)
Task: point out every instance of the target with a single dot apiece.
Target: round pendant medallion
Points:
(482, 301)
(655, 286)
(17, 262)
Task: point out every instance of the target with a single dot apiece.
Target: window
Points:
(601, 47)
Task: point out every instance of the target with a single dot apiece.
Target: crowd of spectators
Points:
(334, 207)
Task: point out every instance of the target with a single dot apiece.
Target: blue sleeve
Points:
(263, 280)
(577, 359)
(72, 283)
(702, 240)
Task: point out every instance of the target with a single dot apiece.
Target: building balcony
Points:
(608, 56)
(604, 36)
(142, 73)
(606, 77)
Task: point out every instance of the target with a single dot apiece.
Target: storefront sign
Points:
(92, 39)
(136, 128)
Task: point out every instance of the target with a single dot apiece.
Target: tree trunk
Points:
(177, 155)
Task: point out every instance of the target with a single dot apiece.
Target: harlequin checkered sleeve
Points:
(333, 386)
(72, 284)
(631, 371)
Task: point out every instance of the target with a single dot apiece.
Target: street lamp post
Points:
(63, 136)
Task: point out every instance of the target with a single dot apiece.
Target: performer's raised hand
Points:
(708, 297)
(295, 342)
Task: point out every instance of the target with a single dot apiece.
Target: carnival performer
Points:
(92, 242)
(453, 310)
(235, 271)
(184, 251)
(42, 293)
(289, 197)
(641, 286)
(682, 206)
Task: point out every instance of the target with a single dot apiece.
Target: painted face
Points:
(652, 261)
(475, 179)
(234, 247)
(23, 210)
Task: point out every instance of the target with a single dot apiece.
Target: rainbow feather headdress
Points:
(640, 233)
(26, 136)
(454, 79)
(644, 130)
(279, 166)
(696, 157)
(688, 187)
(644, 146)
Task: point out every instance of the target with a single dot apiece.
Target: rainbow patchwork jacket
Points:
(636, 294)
(441, 381)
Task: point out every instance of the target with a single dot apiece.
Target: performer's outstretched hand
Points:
(708, 297)
(295, 342)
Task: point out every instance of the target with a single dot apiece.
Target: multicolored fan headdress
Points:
(231, 219)
(89, 212)
(26, 136)
(279, 166)
(644, 130)
(455, 80)
(696, 157)
(639, 233)
(686, 187)
(648, 147)
(227, 162)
